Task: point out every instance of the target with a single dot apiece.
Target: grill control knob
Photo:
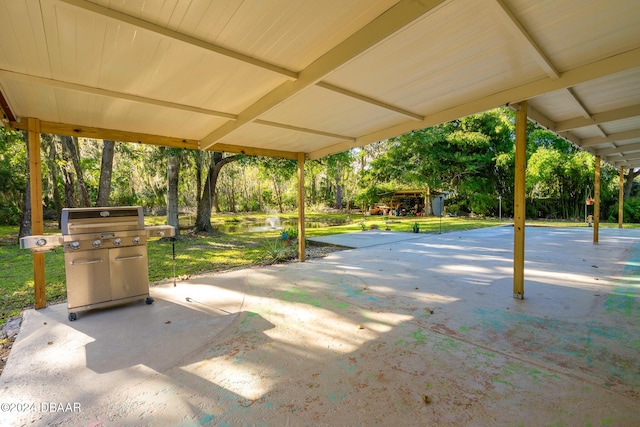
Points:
(136, 240)
(97, 243)
(117, 241)
(75, 245)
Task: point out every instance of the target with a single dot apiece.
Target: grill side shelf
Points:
(42, 243)
(160, 230)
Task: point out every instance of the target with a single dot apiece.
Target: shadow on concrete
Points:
(362, 336)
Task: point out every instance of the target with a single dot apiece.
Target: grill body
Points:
(105, 255)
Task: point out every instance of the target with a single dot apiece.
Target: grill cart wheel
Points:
(149, 301)
(72, 317)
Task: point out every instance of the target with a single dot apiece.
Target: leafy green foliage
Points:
(372, 195)
(13, 175)
(461, 157)
(630, 211)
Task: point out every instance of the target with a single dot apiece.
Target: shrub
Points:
(630, 208)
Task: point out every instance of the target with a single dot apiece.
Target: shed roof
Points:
(280, 77)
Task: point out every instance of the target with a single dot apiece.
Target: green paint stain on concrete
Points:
(611, 349)
(303, 296)
(519, 369)
(419, 336)
(483, 352)
(447, 344)
(625, 293)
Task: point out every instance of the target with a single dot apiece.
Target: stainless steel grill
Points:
(105, 255)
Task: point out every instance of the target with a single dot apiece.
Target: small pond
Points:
(274, 224)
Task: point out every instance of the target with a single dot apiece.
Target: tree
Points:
(205, 199)
(338, 166)
(632, 174)
(106, 170)
(25, 223)
(462, 157)
(14, 167)
(50, 151)
(312, 172)
(280, 174)
(72, 152)
(173, 178)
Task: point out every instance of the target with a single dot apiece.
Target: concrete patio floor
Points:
(418, 331)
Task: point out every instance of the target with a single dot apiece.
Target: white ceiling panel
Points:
(413, 68)
(318, 108)
(319, 77)
(577, 33)
(274, 138)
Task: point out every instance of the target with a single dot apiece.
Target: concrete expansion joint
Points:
(528, 362)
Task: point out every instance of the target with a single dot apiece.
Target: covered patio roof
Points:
(319, 77)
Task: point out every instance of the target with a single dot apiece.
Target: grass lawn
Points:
(197, 253)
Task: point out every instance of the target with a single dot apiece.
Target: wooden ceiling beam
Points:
(304, 130)
(143, 138)
(599, 118)
(615, 137)
(546, 123)
(369, 100)
(628, 165)
(6, 109)
(112, 94)
(518, 30)
(381, 28)
(174, 35)
(627, 159)
(254, 151)
(602, 68)
(573, 99)
(539, 118)
(110, 134)
(621, 149)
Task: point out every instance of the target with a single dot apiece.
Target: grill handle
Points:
(124, 258)
(93, 261)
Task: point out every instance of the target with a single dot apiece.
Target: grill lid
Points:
(90, 220)
(96, 223)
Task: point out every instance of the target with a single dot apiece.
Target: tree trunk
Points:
(203, 214)
(313, 195)
(215, 206)
(278, 191)
(231, 198)
(54, 174)
(173, 175)
(69, 191)
(338, 203)
(628, 186)
(25, 223)
(106, 170)
(70, 146)
(205, 200)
